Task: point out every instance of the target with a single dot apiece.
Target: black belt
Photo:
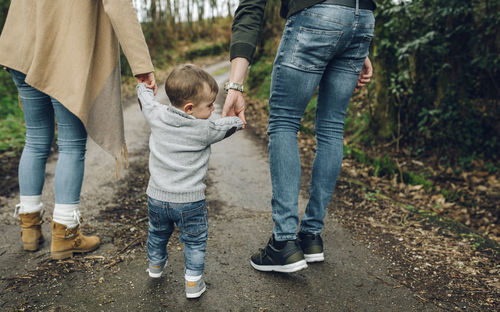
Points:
(363, 4)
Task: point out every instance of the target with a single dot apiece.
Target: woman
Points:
(64, 59)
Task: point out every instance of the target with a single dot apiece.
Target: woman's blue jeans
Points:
(324, 45)
(191, 218)
(39, 113)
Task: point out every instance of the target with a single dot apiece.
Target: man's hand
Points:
(149, 80)
(234, 105)
(365, 75)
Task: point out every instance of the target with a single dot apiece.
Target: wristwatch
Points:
(234, 86)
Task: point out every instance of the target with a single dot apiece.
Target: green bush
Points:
(11, 134)
(8, 96)
(11, 116)
(260, 72)
(209, 50)
(437, 67)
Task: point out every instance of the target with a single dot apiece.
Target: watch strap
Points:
(234, 86)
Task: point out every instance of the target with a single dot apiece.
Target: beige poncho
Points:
(69, 49)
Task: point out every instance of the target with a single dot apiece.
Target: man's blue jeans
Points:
(39, 110)
(191, 219)
(324, 45)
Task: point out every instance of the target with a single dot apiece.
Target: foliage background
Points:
(435, 91)
(437, 71)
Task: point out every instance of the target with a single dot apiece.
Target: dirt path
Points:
(113, 278)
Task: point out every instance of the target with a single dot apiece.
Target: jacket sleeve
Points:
(146, 99)
(128, 30)
(222, 128)
(246, 28)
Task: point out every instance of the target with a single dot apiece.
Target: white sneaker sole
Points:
(154, 275)
(196, 295)
(314, 257)
(288, 268)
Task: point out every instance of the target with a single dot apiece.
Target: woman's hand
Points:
(149, 80)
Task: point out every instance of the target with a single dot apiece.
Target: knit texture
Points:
(180, 149)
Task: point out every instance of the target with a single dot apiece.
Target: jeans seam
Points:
(358, 52)
(330, 51)
(204, 226)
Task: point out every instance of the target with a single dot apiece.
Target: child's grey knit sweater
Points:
(179, 149)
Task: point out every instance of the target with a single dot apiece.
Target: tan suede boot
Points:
(66, 241)
(31, 230)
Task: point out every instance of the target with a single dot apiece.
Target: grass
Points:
(11, 134)
(385, 166)
(478, 241)
(206, 50)
(220, 71)
(11, 116)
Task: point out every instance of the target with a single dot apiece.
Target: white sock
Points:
(29, 204)
(192, 278)
(67, 214)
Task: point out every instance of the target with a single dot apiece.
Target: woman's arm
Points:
(123, 17)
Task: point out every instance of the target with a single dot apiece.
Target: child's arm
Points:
(222, 128)
(146, 98)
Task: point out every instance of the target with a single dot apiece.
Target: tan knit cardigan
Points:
(69, 49)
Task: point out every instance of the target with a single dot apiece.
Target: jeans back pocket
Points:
(194, 221)
(314, 47)
(362, 52)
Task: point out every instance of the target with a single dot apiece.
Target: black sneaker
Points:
(312, 246)
(286, 260)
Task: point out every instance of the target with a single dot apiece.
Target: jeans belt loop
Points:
(355, 4)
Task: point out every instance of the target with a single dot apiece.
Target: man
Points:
(325, 44)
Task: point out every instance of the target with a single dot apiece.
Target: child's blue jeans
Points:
(191, 219)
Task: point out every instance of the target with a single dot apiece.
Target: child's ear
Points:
(188, 108)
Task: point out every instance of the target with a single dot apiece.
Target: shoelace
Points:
(16, 210)
(18, 206)
(76, 216)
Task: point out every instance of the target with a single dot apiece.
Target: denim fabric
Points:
(39, 110)
(191, 219)
(322, 46)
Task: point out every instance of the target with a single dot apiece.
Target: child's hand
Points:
(149, 80)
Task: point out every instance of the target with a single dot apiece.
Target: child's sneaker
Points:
(155, 271)
(195, 289)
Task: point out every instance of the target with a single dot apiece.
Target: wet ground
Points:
(113, 278)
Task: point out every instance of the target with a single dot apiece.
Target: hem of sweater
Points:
(173, 197)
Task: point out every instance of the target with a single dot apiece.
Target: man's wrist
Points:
(233, 86)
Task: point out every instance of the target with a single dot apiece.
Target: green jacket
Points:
(248, 19)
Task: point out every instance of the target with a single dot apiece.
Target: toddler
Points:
(181, 134)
